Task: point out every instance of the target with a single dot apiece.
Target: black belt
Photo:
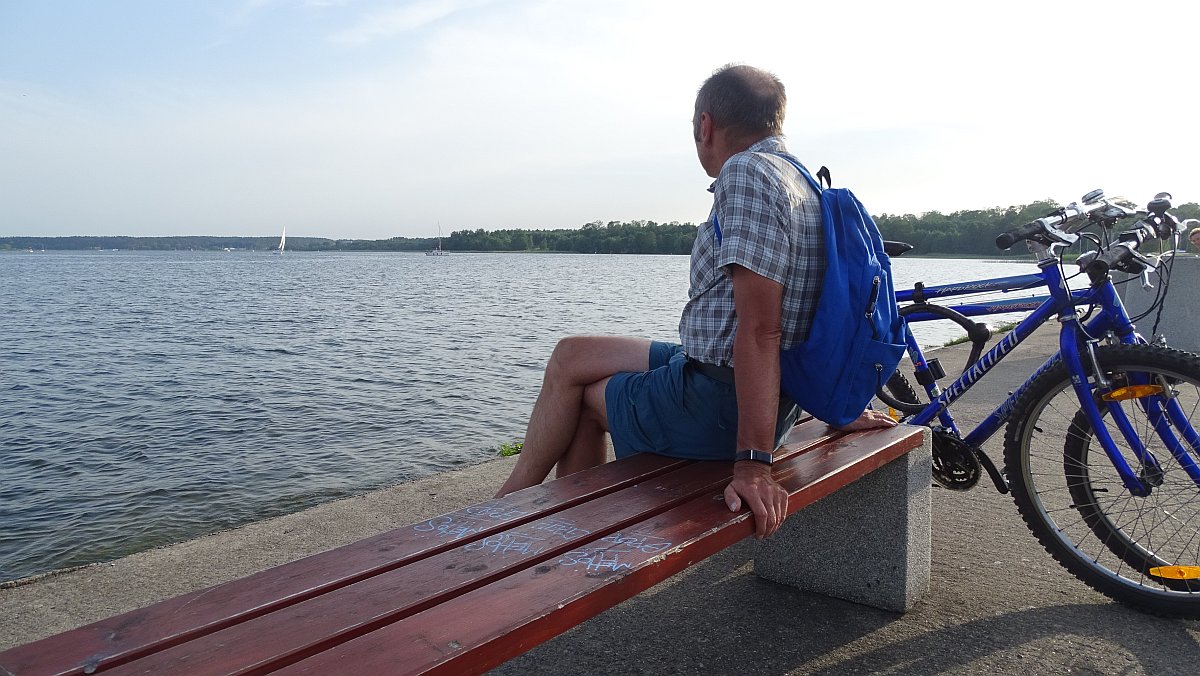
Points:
(721, 374)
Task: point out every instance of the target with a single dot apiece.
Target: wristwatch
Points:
(755, 455)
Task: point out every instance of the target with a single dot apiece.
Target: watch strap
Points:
(764, 457)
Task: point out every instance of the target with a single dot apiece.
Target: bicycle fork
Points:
(1099, 397)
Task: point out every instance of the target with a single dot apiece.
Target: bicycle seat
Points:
(896, 248)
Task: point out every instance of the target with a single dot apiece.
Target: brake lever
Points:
(1144, 263)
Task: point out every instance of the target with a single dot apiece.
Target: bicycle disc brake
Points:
(955, 466)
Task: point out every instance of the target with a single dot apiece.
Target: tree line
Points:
(971, 232)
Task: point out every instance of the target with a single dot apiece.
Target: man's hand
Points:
(869, 420)
(764, 496)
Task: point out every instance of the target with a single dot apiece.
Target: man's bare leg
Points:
(588, 447)
(560, 414)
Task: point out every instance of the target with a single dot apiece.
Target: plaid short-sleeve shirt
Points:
(770, 223)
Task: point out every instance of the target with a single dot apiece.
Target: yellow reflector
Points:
(894, 414)
(1132, 392)
(1176, 572)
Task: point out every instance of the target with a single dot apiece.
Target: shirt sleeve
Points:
(748, 204)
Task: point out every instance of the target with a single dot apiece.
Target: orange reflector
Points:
(894, 414)
(1132, 392)
(1176, 572)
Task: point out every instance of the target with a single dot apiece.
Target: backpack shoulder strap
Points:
(807, 176)
(822, 173)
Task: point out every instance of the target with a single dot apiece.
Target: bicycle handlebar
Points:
(1058, 228)
(1005, 240)
(1049, 227)
(1126, 249)
(1115, 257)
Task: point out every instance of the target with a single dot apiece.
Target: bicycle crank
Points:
(955, 466)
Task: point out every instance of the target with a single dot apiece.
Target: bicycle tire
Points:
(899, 394)
(1071, 497)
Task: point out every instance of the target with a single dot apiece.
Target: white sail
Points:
(283, 239)
(438, 251)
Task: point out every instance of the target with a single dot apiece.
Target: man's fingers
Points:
(777, 502)
(732, 500)
(868, 420)
(762, 516)
(765, 498)
(768, 517)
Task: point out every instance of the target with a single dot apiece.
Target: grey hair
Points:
(746, 100)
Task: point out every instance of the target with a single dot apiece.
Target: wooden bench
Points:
(465, 591)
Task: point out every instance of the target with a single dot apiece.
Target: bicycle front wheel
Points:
(1144, 551)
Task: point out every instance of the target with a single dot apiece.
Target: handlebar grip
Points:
(1007, 239)
(1113, 258)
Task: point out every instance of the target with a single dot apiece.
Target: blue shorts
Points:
(676, 411)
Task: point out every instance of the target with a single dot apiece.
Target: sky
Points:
(370, 119)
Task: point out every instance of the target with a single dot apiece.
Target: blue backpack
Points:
(857, 335)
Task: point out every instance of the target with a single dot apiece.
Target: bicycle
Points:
(1100, 452)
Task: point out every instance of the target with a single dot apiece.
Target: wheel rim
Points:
(1079, 495)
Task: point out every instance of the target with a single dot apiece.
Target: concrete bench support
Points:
(868, 542)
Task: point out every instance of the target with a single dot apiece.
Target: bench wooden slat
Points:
(174, 621)
(483, 628)
(147, 631)
(339, 615)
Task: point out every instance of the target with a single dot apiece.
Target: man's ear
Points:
(706, 129)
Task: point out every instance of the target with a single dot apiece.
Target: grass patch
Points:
(510, 448)
(955, 341)
(1001, 328)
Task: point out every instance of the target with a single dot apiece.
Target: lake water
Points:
(151, 397)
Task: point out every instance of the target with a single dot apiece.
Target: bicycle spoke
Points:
(1077, 503)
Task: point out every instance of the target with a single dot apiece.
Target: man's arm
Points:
(759, 305)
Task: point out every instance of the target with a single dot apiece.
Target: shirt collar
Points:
(770, 144)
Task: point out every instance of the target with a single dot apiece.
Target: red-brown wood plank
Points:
(257, 644)
(479, 630)
(127, 636)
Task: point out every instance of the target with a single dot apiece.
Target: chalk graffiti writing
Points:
(499, 512)
(560, 527)
(647, 544)
(505, 543)
(597, 560)
(470, 520)
(606, 554)
(447, 526)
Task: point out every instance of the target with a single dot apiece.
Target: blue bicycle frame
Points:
(1075, 345)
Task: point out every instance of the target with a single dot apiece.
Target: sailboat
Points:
(282, 241)
(437, 251)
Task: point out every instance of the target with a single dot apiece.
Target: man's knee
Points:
(580, 360)
(569, 350)
(583, 360)
(565, 359)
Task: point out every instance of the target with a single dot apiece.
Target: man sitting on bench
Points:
(754, 285)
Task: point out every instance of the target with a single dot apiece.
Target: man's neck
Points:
(726, 144)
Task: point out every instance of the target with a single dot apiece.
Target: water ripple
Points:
(153, 397)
